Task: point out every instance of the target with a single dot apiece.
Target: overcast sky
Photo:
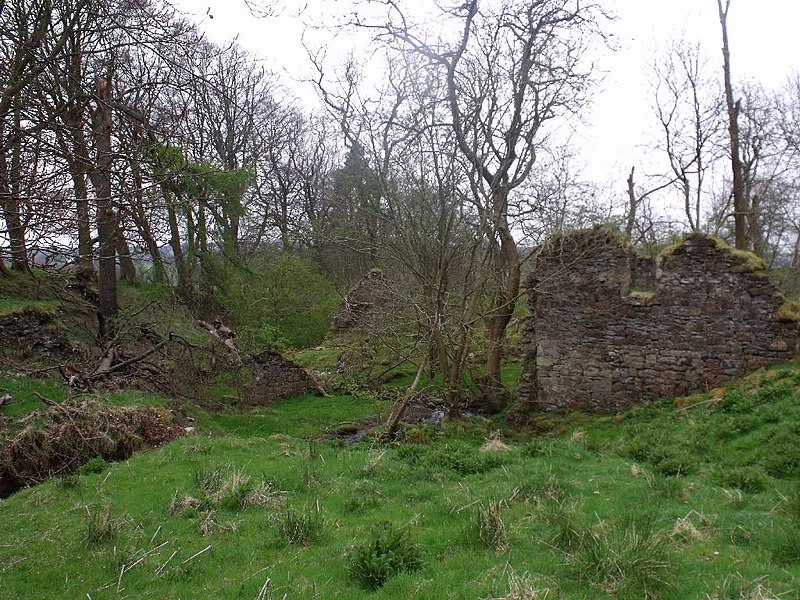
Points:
(765, 46)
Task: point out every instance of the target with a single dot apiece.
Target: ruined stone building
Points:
(609, 329)
(366, 298)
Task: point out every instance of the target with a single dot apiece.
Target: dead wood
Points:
(225, 335)
(401, 406)
(313, 379)
(45, 399)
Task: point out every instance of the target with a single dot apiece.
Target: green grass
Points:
(694, 498)
(21, 388)
(10, 306)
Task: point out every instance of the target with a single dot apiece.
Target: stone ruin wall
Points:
(609, 330)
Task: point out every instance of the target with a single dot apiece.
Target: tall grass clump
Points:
(489, 527)
(301, 527)
(388, 552)
(100, 526)
(628, 559)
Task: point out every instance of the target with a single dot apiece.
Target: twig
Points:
(164, 566)
(46, 400)
(262, 594)
(196, 554)
(44, 370)
(155, 534)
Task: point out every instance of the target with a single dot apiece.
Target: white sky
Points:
(765, 47)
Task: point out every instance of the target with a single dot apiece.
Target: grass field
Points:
(692, 498)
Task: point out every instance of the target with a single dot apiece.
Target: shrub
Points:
(388, 552)
(464, 459)
(93, 465)
(278, 298)
(747, 479)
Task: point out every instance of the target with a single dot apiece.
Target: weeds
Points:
(569, 531)
(523, 587)
(489, 527)
(301, 527)
(231, 490)
(388, 551)
(629, 558)
(737, 587)
(100, 526)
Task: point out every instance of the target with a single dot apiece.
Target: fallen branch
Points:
(225, 335)
(121, 365)
(400, 408)
(46, 400)
(320, 390)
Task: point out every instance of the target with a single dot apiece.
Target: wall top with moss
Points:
(609, 329)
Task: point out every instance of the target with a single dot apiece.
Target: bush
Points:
(746, 479)
(277, 299)
(388, 552)
(93, 465)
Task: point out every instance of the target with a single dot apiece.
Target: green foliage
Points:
(278, 300)
(388, 552)
(197, 180)
(93, 466)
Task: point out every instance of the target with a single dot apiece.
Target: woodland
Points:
(177, 233)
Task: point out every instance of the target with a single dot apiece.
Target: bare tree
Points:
(740, 208)
(513, 69)
(687, 107)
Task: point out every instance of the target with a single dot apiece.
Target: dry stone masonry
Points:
(610, 329)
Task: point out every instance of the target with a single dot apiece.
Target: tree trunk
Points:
(106, 221)
(124, 254)
(10, 176)
(508, 276)
(740, 209)
(84, 263)
(184, 284)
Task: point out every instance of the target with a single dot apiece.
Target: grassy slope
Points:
(588, 512)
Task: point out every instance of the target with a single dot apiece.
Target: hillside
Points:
(695, 497)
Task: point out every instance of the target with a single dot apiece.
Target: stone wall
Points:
(609, 329)
(363, 300)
